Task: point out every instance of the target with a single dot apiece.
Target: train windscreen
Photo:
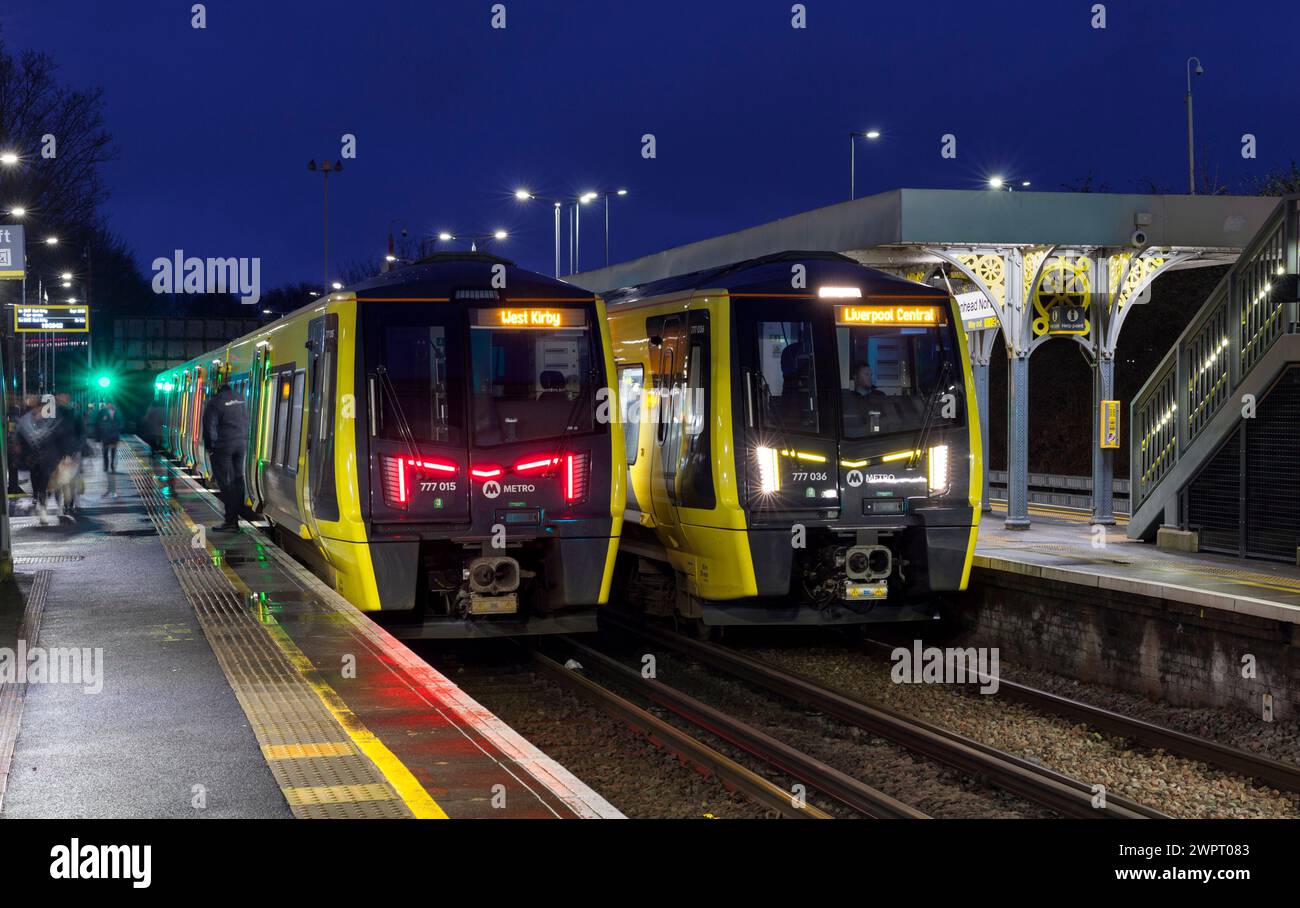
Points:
(531, 374)
(892, 363)
(421, 387)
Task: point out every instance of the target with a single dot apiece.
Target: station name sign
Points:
(896, 316)
(52, 318)
(531, 317)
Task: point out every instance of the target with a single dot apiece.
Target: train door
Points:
(319, 494)
(257, 388)
(667, 336)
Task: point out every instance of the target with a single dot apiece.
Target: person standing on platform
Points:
(109, 430)
(225, 435)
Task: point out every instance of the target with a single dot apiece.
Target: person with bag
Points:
(40, 437)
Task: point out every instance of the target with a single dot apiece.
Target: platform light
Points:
(873, 133)
(621, 192)
(67, 285)
(588, 197)
(523, 195)
(500, 234)
(938, 469)
(336, 285)
(104, 381)
(51, 241)
(390, 258)
(446, 237)
(67, 276)
(18, 211)
(8, 158)
(995, 182)
(769, 472)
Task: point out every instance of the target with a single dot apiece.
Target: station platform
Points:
(208, 674)
(1060, 545)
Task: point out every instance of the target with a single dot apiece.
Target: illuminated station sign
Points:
(890, 316)
(532, 317)
(52, 318)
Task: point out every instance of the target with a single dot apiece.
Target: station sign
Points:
(1109, 430)
(532, 317)
(12, 261)
(52, 318)
(1067, 319)
(976, 310)
(895, 316)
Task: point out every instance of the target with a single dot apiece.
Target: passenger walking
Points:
(40, 436)
(67, 479)
(225, 435)
(109, 429)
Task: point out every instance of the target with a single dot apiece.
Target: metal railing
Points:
(1239, 322)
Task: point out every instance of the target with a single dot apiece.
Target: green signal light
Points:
(104, 381)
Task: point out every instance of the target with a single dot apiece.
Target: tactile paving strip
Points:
(11, 695)
(320, 771)
(47, 559)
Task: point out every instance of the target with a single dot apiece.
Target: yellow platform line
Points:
(403, 781)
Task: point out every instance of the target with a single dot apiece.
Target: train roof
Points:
(444, 274)
(771, 274)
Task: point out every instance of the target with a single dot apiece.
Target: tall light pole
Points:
(607, 193)
(326, 169)
(853, 157)
(524, 195)
(1191, 156)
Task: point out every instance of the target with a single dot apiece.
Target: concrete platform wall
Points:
(1175, 652)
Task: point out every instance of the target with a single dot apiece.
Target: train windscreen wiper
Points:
(940, 386)
(403, 425)
(587, 382)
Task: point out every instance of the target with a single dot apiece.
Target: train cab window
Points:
(889, 377)
(788, 397)
(531, 383)
(630, 381)
(420, 385)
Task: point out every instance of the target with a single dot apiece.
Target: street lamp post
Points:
(326, 169)
(853, 158)
(1191, 156)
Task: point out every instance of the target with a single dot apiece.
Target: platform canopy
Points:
(896, 229)
(1024, 261)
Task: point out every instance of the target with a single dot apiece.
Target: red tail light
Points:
(398, 482)
(536, 464)
(484, 471)
(576, 468)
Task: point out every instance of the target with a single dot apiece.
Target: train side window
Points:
(295, 421)
(630, 381)
(283, 393)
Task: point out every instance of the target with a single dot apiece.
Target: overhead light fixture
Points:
(8, 158)
(445, 236)
(523, 195)
(500, 234)
(995, 182)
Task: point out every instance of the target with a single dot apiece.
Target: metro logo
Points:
(887, 316)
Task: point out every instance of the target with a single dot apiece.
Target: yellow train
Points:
(428, 442)
(802, 443)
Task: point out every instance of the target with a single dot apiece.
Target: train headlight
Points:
(769, 470)
(939, 480)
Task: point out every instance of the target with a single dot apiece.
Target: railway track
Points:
(810, 771)
(1274, 773)
(1038, 784)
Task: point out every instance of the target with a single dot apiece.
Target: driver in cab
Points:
(863, 404)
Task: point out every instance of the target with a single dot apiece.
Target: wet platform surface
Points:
(235, 680)
(1062, 546)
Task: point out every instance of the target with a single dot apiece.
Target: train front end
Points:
(858, 448)
(495, 499)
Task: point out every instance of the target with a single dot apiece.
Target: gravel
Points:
(928, 786)
(1180, 787)
(618, 762)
